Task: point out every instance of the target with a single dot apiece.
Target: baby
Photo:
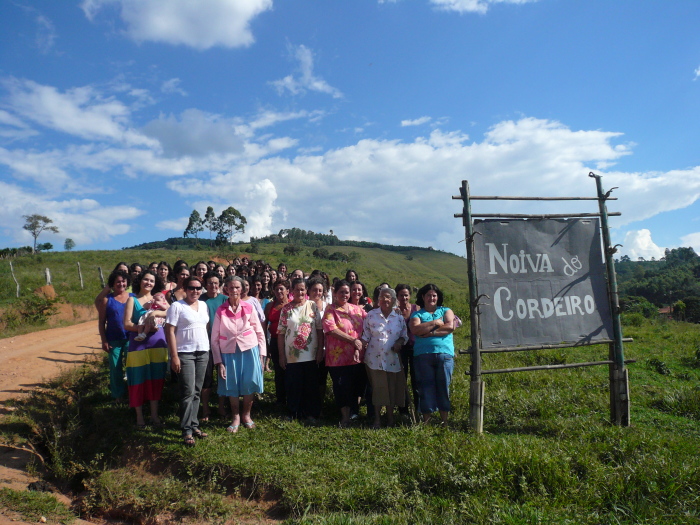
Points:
(148, 320)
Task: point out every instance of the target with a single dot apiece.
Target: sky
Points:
(120, 117)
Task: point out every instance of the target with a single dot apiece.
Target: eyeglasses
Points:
(195, 288)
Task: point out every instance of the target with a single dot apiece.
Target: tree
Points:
(69, 244)
(229, 223)
(36, 224)
(195, 225)
(209, 221)
(44, 247)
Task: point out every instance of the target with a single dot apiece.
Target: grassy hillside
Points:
(374, 266)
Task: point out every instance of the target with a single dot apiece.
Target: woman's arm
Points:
(128, 313)
(438, 327)
(101, 321)
(449, 324)
(172, 347)
(102, 296)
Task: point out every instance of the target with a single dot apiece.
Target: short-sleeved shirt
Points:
(381, 333)
(213, 304)
(433, 345)
(347, 319)
(299, 325)
(190, 326)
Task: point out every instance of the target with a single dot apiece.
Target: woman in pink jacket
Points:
(238, 345)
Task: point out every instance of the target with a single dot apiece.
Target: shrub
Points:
(634, 304)
(339, 256)
(32, 309)
(321, 253)
(634, 319)
(291, 249)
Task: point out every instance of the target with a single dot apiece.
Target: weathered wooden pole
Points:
(476, 386)
(12, 271)
(47, 272)
(619, 381)
(80, 274)
(102, 277)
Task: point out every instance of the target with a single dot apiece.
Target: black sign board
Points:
(545, 279)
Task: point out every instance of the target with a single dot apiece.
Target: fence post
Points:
(48, 276)
(80, 274)
(102, 277)
(12, 271)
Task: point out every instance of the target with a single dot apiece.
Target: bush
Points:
(33, 309)
(321, 253)
(634, 319)
(339, 256)
(692, 309)
(635, 304)
(254, 247)
(291, 250)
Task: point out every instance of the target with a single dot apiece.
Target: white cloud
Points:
(415, 122)
(692, 240)
(201, 24)
(472, 6)
(306, 81)
(83, 220)
(45, 34)
(697, 73)
(178, 224)
(173, 86)
(195, 134)
(83, 111)
(638, 243)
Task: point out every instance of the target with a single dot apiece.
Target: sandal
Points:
(188, 440)
(249, 424)
(199, 434)
(232, 428)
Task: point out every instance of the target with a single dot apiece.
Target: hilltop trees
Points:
(69, 244)
(226, 225)
(35, 224)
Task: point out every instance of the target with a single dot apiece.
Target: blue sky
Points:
(119, 117)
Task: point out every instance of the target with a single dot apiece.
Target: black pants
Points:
(280, 390)
(301, 382)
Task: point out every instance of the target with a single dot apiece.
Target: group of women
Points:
(312, 329)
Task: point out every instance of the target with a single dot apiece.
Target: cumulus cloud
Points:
(83, 111)
(195, 134)
(306, 80)
(692, 240)
(415, 122)
(202, 24)
(178, 224)
(472, 6)
(173, 86)
(638, 244)
(83, 220)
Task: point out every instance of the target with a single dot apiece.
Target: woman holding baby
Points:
(147, 359)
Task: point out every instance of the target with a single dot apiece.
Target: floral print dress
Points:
(299, 325)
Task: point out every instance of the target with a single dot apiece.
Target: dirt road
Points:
(27, 360)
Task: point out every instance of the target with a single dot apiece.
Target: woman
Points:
(178, 292)
(221, 271)
(99, 300)
(405, 308)
(213, 299)
(188, 344)
(153, 267)
(300, 344)
(115, 340)
(230, 270)
(266, 292)
(272, 318)
(165, 273)
(245, 296)
(351, 276)
(384, 332)
(342, 325)
(135, 270)
(317, 293)
(238, 343)
(433, 352)
(201, 269)
(147, 360)
(256, 287)
(281, 271)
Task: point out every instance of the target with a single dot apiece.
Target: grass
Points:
(548, 454)
(32, 506)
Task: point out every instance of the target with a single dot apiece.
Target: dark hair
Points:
(134, 265)
(118, 273)
(339, 284)
(178, 264)
(363, 299)
(158, 287)
(402, 286)
(192, 278)
(347, 275)
(211, 274)
(120, 264)
(283, 282)
(154, 262)
(256, 279)
(427, 288)
(298, 280)
(171, 274)
(316, 280)
(210, 264)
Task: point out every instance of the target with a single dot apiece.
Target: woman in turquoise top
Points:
(433, 352)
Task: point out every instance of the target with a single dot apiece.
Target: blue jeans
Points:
(434, 375)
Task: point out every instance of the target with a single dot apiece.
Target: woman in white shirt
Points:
(188, 345)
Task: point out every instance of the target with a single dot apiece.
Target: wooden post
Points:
(80, 274)
(102, 277)
(476, 387)
(48, 276)
(619, 383)
(12, 271)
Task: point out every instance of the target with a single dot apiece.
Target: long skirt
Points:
(146, 366)
(244, 375)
